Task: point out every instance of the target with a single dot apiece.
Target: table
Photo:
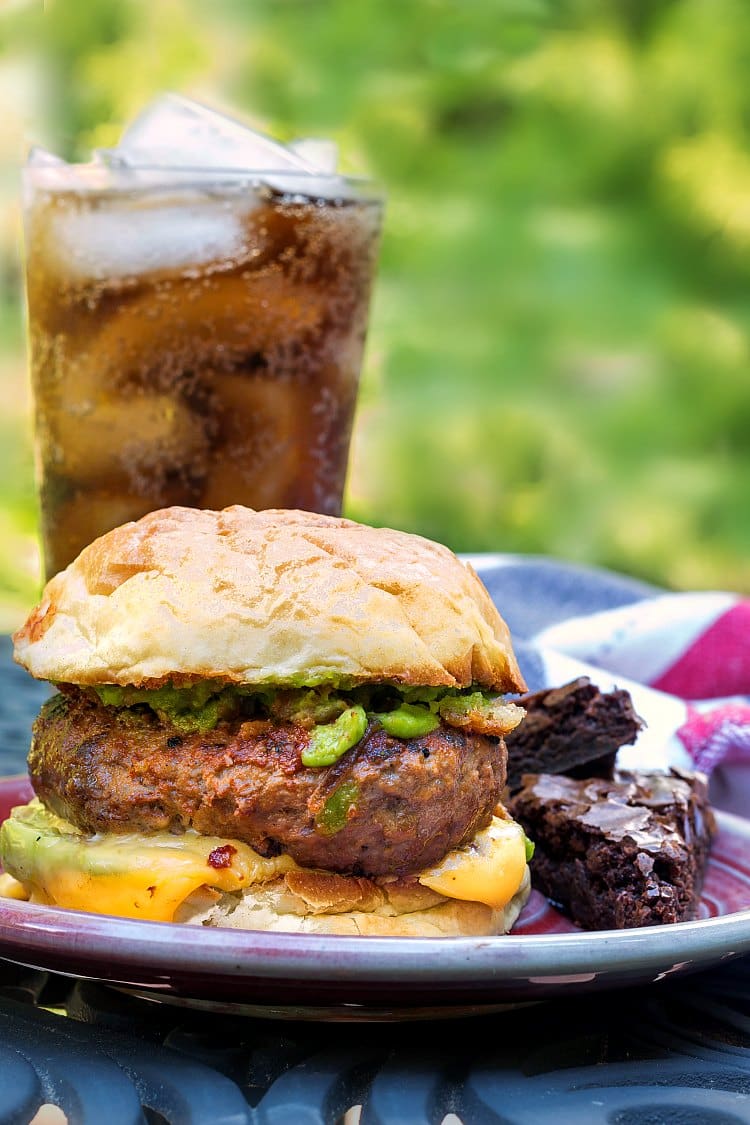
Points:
(674, 1052)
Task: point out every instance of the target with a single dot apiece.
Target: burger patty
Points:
(388, 806)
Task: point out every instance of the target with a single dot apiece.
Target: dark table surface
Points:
(674, 1053)
(20, 699)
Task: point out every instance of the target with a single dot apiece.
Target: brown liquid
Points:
(229, 380)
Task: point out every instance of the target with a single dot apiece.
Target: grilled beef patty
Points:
(399, 804)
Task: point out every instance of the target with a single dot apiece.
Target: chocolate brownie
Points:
(575, 729)
(620, 853)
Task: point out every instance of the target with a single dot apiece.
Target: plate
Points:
(322, 977)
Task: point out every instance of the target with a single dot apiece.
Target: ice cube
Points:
(120, 241)
(41, 158)
(322, 154)
(175, 132)
(42, 167)
(46, 170)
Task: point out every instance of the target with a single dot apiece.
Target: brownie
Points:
(614, 854)
(575, 729)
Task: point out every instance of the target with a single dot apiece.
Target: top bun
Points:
(283, 597)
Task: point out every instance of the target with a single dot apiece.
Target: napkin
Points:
(684, 658)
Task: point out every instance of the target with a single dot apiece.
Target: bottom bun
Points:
(416, 913)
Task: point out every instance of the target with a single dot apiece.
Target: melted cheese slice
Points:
(488, 869)
(150, 877)
(130, 875)
(151, 880)
(11, 888)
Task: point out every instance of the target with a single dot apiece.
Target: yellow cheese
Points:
(150, 877)
(488, 869)
(11, 888)
(136, 876)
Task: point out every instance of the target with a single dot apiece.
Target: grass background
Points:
(559, 352)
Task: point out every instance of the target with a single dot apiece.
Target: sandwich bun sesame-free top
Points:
(272, 720)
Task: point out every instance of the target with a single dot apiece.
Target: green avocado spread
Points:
(35, 838)
(409, 720)
(338, 808)
(336, 717)
(330, 740)
(198, 707)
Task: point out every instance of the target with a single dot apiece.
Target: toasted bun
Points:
(274, 596)
(370, 911)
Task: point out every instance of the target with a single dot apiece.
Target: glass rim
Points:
(115, 178)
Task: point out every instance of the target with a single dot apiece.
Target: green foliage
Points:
(558, 354)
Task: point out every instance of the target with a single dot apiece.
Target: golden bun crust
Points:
(274, 596)
(369, 912)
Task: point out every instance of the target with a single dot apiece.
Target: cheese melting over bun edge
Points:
(151, 877)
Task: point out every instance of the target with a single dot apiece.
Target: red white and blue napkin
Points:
(684, 658)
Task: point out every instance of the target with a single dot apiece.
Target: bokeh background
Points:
(559, 353)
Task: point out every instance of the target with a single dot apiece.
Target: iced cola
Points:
(196, 338)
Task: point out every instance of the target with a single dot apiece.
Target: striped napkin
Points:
(684, 658)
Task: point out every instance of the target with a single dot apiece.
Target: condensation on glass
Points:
(196, 338)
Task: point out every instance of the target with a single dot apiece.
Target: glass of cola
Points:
(198, 303)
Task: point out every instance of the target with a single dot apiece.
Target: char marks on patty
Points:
(407, 802)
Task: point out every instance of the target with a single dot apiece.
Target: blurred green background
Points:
(559, 353)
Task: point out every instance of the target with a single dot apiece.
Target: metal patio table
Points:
(676, 1053)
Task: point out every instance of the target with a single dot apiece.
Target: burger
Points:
(271, 720)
